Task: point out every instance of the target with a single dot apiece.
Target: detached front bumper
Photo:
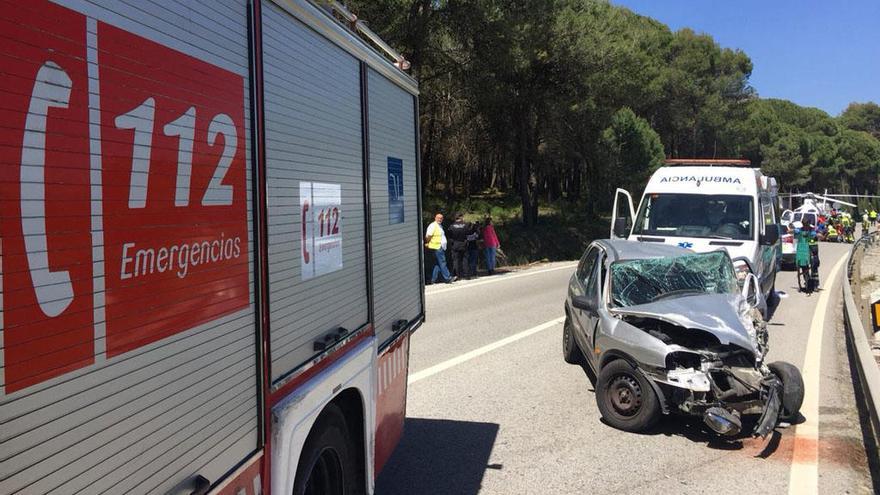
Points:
(771, 409)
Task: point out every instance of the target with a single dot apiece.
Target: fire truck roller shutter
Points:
(314, 159)
(163, 384)
(395, 215)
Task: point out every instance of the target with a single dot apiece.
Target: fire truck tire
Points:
(327, 463)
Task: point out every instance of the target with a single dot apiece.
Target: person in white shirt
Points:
(435, 240)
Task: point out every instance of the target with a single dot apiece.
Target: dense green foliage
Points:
(862, 117)
(561, 101)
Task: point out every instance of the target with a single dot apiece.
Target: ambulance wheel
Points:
(571, 352)
(792, 388)
(772, 296)
(327, 464)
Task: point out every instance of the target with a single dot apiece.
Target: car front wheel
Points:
(625, 398)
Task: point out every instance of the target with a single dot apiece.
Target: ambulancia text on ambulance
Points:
(705, 205)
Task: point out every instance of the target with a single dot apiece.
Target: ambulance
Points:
(705, 205)
(210, 253)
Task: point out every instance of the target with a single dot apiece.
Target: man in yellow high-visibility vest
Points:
(435, 240)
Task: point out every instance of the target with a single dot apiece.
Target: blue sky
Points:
(816, 53)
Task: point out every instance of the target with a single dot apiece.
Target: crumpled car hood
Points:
(723, 315)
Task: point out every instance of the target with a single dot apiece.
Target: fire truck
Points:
(210, 252)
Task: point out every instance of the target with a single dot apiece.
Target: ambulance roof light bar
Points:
(360, 26)
(709, 162)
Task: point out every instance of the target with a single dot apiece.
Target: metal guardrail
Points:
(866, 366)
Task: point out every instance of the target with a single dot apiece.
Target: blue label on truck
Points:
(395, 190)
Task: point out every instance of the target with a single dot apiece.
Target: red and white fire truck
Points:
(211, 258)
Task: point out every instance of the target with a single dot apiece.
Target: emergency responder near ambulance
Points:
(848, 228)
(807, 253)
(831, 233)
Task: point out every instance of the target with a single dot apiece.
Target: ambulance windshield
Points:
(696, 215)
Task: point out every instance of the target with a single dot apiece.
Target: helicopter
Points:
(815, 205)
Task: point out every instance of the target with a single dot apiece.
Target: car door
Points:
(593, 290)
(588, 284)
(579, 288)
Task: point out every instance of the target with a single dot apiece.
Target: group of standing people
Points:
(463, 240)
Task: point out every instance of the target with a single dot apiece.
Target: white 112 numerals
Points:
(142, 120)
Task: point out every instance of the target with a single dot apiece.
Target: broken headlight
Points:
(682, 359)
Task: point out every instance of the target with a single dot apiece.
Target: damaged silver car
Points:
(667, 330)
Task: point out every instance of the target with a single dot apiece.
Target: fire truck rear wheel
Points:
(327, 464)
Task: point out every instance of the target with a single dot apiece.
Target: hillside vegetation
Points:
(555, 103)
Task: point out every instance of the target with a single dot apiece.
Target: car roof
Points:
(619, 249)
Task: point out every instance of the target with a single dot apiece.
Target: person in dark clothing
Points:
(457, 235)
(473, 248)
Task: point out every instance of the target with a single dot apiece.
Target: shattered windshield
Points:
(716, 216)
(635, 282)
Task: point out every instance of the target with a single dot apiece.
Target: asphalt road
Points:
(492, 407)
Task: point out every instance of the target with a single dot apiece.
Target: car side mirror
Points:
(620, 229)
(771, 235)
(585, 303)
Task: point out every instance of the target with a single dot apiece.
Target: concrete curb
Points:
(866, 367)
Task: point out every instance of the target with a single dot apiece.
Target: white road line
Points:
(501, 278)
(445, 365)
(804, 478)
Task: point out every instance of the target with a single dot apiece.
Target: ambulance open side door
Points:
(622, 222)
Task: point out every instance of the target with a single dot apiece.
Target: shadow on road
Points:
(439, 456)
(589, 373)
(693, 429)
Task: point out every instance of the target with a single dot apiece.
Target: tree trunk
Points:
(575, 191)
(528, 183)
(428, 156)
